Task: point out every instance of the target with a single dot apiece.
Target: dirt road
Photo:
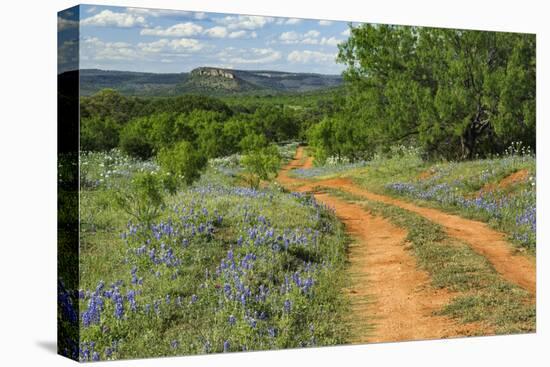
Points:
(391, 298)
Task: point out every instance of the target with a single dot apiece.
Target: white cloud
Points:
(249, 22)
(243, 34)
(190, 29)
(64, 24)
(313, 33)
(200, 15)
(293, 21)
(95, 49)
(308, 38)
(156, 13)
(177, 30)
(216, 32)
(306, 56)
(91, 10)
(325, 22)
(288, 21)
(107, 18)
(290, 36)
(332, 41)
(181, 45)
(346, 33)
(310, 41)
(237, 56)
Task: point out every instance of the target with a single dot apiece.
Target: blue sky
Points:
(153, 40)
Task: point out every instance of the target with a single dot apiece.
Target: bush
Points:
(261, 164)
(143, 200)
(182, 162)
(135, 139)
(98, 134)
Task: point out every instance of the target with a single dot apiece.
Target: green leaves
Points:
(458, 93)
(183, 162)
(260, 162)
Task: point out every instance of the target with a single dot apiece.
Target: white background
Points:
(28, 180)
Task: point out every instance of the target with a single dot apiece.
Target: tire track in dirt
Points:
(516, 268)
(392, 300)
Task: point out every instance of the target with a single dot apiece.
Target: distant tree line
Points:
(456, 93)
(143, 126)
(183, 132)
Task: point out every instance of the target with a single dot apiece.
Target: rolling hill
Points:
(204, 80)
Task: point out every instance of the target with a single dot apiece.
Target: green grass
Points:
(189, 325)
(483, 295)
(469, 189)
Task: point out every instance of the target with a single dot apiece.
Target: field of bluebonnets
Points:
(217, 267)
(476, 188)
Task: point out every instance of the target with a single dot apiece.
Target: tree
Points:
(457, 93)
(260, 164)
(135, 139)
(182, 162)
(98, 133)
(253, 142)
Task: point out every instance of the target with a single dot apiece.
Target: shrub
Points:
(99, 134)
(135, 139)
(143, 200)
(260, 164)
(181, 162)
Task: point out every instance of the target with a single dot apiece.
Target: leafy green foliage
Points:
(260, 163)
(144, 199)
(98, 134)
(456, 93)
(135, 138)
(182, 162)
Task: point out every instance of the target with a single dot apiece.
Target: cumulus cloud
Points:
(293, 21)
(325, 22)
(290, 36)
(240, 56)
(107, 18)
(177, 30)
(308, 38)
(216, 32)
(156, 13)
(346, 33)
(307, 56)
(249, 22)
(313, 33)
(331, 41)
(163, 45)
(289, 21)
(200, 15)
(243, 34)
(93, 48)
(65, 24)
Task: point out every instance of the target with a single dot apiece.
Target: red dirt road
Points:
(391, 298)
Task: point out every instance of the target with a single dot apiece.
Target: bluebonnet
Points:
(287, 306)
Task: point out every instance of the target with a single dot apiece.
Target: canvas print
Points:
(232, 182)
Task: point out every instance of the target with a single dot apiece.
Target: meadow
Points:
(180, 209)
(499, 190)
(220, 268)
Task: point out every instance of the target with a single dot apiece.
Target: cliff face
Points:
(213, 72)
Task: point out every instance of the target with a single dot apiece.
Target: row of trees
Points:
(183, 132)
(142, 127)
(458, 94)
